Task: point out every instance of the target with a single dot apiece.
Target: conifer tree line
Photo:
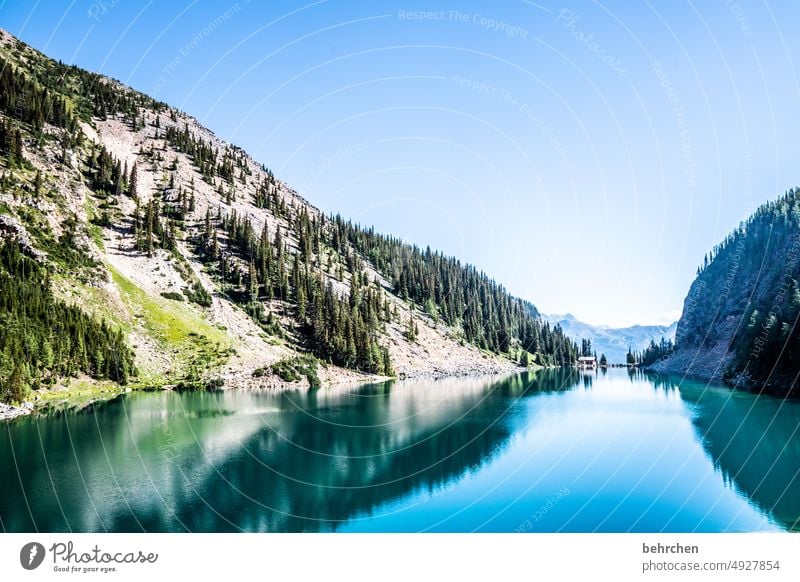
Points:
(231, 169)
(203, 154)
(752, 278)
(43, 339)
(104, 173)
(255, 268)
(39, 95)
(11, 145)
(267, 194)
(29, 102)
(460, 295)
(651, 354)
(93, 94)
(152, 230)
(347, 331)
(155, 225)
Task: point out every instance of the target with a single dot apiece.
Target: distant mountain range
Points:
(614, 342)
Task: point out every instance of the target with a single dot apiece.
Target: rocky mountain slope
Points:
(614, 342)
(740, 317)
(208, 268)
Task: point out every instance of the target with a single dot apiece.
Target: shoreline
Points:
(10, 412)
(670, 367)
(82, 392)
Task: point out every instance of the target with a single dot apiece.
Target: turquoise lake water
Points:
(550, 451)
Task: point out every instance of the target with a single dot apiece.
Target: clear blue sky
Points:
(585, 157)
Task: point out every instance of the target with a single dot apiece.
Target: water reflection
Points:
(294, 461)
(754, 443)
(636, 452)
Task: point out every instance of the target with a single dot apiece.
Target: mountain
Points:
(614, 342)
(139, 248)
(740, 318)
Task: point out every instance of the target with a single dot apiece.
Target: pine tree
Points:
(133, 184)
(37, 183)
(17, 389)
(412, 329)
(149, 224)
(253, 281)
(18, 157)
(43, 338)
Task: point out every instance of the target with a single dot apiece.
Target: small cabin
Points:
(587, 362)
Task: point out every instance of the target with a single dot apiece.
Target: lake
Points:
(546, 451)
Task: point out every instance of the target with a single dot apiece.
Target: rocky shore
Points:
(7, 412)
(707, 364)
(481, 368)
(333, 378)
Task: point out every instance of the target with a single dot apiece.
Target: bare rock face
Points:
(12, 230)
(739, 321)
(7, 411)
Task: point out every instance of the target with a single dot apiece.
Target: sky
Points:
(586, 155)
